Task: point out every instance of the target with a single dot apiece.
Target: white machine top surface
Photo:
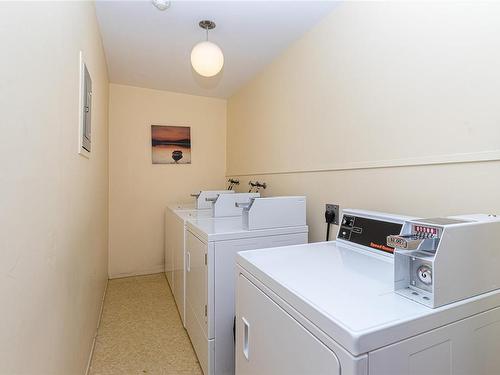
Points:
(190, 206)
(348, 293)
(193, 214)
(231, 228)
(182, 206)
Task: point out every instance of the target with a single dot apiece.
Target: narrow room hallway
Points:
(141, 331)
(250, 187)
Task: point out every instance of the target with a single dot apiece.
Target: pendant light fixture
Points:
(161, 4)
(206, 57)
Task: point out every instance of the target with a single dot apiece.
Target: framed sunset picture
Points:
(171, 144)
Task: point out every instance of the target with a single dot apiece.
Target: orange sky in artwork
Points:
(169, 133)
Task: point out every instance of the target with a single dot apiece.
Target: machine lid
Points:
(181, 206)
(347, 292)
(192, 214)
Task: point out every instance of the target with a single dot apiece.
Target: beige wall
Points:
(374, 107)
(53, 202)
(139, 190)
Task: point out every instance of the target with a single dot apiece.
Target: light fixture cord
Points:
(206, 29)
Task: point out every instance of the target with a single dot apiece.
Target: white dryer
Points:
(211, 249)
(332, 307)
(207, 204)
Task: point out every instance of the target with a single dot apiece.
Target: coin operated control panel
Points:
(369, 230)
(439, 261)
(274, 212)
(205, 198)
(225, 205)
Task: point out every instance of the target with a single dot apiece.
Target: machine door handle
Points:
(188, 261)
(246, 334)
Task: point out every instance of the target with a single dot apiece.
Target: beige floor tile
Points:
(141, 331)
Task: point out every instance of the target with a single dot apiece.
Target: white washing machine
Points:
(175, 224)
(345, 307)
(218, 203)
(212, 245)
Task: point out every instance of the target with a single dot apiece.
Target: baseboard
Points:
(97, 329)
(158, 269)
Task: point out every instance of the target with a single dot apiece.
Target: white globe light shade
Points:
(161, 4)
(207, 59)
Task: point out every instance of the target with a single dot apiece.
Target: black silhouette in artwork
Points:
(177, 155)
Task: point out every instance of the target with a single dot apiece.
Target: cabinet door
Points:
(178, 264)
(271, 342)
(470, 346)
(169, 256)
(222, 319)
(197, 280)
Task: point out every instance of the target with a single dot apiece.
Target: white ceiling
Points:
(150, 48)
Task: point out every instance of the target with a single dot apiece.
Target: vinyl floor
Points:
(141, 331)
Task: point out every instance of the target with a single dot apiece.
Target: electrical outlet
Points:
(336, 209)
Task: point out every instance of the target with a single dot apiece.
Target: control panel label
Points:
(382, 247)
(368, 232)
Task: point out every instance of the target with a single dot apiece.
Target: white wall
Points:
(53, 202)
(358, 110)
(140, 190)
